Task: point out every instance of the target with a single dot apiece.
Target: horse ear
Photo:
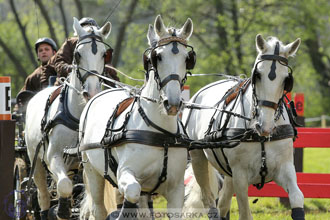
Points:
(291, 49)
(261, 44)
(160, 28)
(78, 30)
(105, 30)
(187, 29)
(152, 38)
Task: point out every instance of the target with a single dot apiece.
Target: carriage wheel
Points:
(20, 200)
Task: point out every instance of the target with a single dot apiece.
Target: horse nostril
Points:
(86, 95)
(258, 128)
(170, 109)
(166, 105)
(180, 105)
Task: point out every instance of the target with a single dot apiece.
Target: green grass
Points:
(315, 161)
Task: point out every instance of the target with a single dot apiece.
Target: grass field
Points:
(315, 161)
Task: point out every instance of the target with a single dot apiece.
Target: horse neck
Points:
(75, 101)
(155, 111)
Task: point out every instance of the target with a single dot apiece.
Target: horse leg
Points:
(225, 196)
(175, 199)
(131, 189)
(240, 183)
(64, 185)
(119, 201)
(151, 207)
(200, 168)
(95, 183)
(288, 180)
(40, 179)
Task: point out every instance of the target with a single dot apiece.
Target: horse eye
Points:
(159, 57)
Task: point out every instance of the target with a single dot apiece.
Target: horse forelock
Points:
(90, 30)
(271, 41)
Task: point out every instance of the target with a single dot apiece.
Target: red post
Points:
(7, 151)
(299, 102)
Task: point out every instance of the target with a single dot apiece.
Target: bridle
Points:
(288, 82)
(77, 56)
(151, 63)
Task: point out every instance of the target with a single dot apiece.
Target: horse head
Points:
(169, 60)
(89, 57)
(271, 78)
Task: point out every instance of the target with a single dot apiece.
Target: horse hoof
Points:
(298, 214)
(113, 215)
(77, 190)
(213, 214)
(44, 215)
(128, 211)
(64, 208)
(52, 213)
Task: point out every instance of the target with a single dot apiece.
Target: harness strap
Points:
(274, 57)
(163, 176)
(234, 91)
(263, 169)
(168, 79)
(34, 164)
(197, 95)
(268, 104)
(150, 123)
(122, 106)
(142, 137)
(113, 166)
(248, 135)
(228, 172)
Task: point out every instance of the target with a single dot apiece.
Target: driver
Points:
(45, 48)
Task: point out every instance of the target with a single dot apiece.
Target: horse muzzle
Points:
(172, 109)
(262, 131)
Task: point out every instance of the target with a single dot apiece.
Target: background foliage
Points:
(224, 36)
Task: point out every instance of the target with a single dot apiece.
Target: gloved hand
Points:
(47, 71)
(68, 68)
(110, 73)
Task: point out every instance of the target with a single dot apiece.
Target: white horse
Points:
(146, 160)
(60, 120)
(265, 147)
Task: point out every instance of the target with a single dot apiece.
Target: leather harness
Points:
(225, 137)
(62, 116)
(115, 137)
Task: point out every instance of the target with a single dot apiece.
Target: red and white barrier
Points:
(312, 185)
(5, 96)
